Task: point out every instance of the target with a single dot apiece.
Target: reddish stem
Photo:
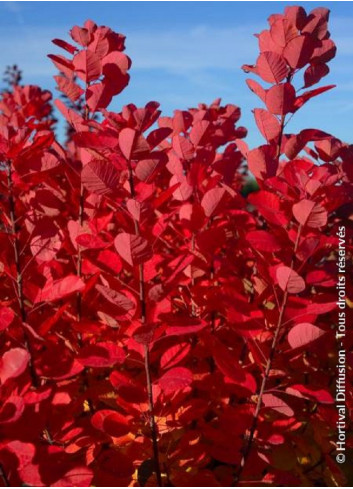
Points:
(19, 277)
(250, 438)
(147, 363)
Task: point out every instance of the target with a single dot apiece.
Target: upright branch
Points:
(250, 438)
(81, 211)
(249, 442)
(143, 309)
(279, 61)
(16, 245)
(19, 272)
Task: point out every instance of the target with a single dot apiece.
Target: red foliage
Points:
(158, 327)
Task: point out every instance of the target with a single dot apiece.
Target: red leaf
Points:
(316, 24)
(100, 177)
(127, 388)
(309, 213)
(297, 142)
(110, 422)
(304, 333)
(271, 67)
(13, 363)
(211, 200)
(46, 245)
(282, 31)
(72, 117)
(65, 45)
(224, 359)
(57, 289)
(132, 248)
(69, 88)
(175, 355)
(321, 395)
(113, 469)
(266, 43)
(325, 52)
(262, 162)
(110, 260)
(81, 35)
(268, 124)
(101, 355)
(314, 73)
(183, 148)
(6, 317)
(87, 65)
(79, 476)
(280, 99)
(91, 242)
(263, 241)
(183, 188)
(134, 207)
(256, 88)
(276, 403)
(296, 15)
(116, 298)
(185, 326)
(24, 453)
(146, 170)
(95, 140)
(269, 205)
(298, 51)
(174, 380)
(199, 132)
(157, 136)
(300, 101)
(115, 67)
(289, 280)
(98, 96)
(133, 145)
(11, 409)
(63, 64)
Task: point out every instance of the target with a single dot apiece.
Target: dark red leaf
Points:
(263, 241)
(101, 355)
(111, 422)
(314, 73)
(175, 379)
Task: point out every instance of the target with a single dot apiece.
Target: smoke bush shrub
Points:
(158, 327)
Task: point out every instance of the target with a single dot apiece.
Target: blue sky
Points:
(183, 53)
